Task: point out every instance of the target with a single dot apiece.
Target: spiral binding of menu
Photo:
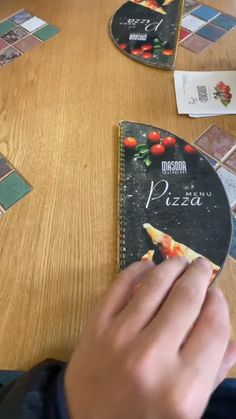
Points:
(121, 207)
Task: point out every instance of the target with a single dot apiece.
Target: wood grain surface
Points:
(59, 109)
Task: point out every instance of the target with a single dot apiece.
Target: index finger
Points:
(182, 306)
(119, 294)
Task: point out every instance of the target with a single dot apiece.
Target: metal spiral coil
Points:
(122, 214)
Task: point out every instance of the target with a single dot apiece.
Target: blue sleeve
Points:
(36, 394)
(58, 400)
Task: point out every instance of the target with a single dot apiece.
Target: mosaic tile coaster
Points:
(226, 22)
(46, 32)
(192, 23)
(14, 35)
(6, 26)
(22, 32)
(27, 43)
(229, 181)
(21, 17)
(216, 142)
(196, 43)
(33, 24)
(8, 55)
(211, 32)
(205, 13)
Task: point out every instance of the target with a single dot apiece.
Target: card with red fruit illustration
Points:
(205, 93)
(148, 30)
(171, 200)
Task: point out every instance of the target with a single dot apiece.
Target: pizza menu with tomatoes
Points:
(147, 30)
(171, 200)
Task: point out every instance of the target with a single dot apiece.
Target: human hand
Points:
(157, 353)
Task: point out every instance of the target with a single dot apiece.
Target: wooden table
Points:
(59, 109)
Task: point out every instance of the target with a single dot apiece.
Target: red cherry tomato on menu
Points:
(189, 149)
(169, 142)
(130, 142)
(136, 51)
(147, 55)
(220, 85)
(123, 46)
(146, 47)
(167, 52)
(157, 150)
(226, 89)
(154, 136)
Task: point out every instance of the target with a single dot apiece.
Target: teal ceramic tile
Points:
(6, 26)
(225, 21)
(12, 189)
(205, 13)
(46, 32)
(211, 32)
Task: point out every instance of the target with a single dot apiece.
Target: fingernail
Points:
(203, 261)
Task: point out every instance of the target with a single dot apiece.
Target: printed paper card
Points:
(211, 92)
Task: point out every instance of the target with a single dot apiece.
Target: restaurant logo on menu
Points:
(174, 167)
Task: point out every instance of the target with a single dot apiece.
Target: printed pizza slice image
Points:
(149, 255)
(151, 4)
(170, 248)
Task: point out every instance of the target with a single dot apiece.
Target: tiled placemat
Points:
(219, 148)
(13, 186)
(22, 32)
(202, 26)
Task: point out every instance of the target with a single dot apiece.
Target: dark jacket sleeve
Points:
(37, 394)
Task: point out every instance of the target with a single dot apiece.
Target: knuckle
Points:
(114, 340)
(137, 371)
(218, 322)
(179, 402)
(155, 275)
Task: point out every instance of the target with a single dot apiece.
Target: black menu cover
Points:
(171, 200)
(148, 31)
